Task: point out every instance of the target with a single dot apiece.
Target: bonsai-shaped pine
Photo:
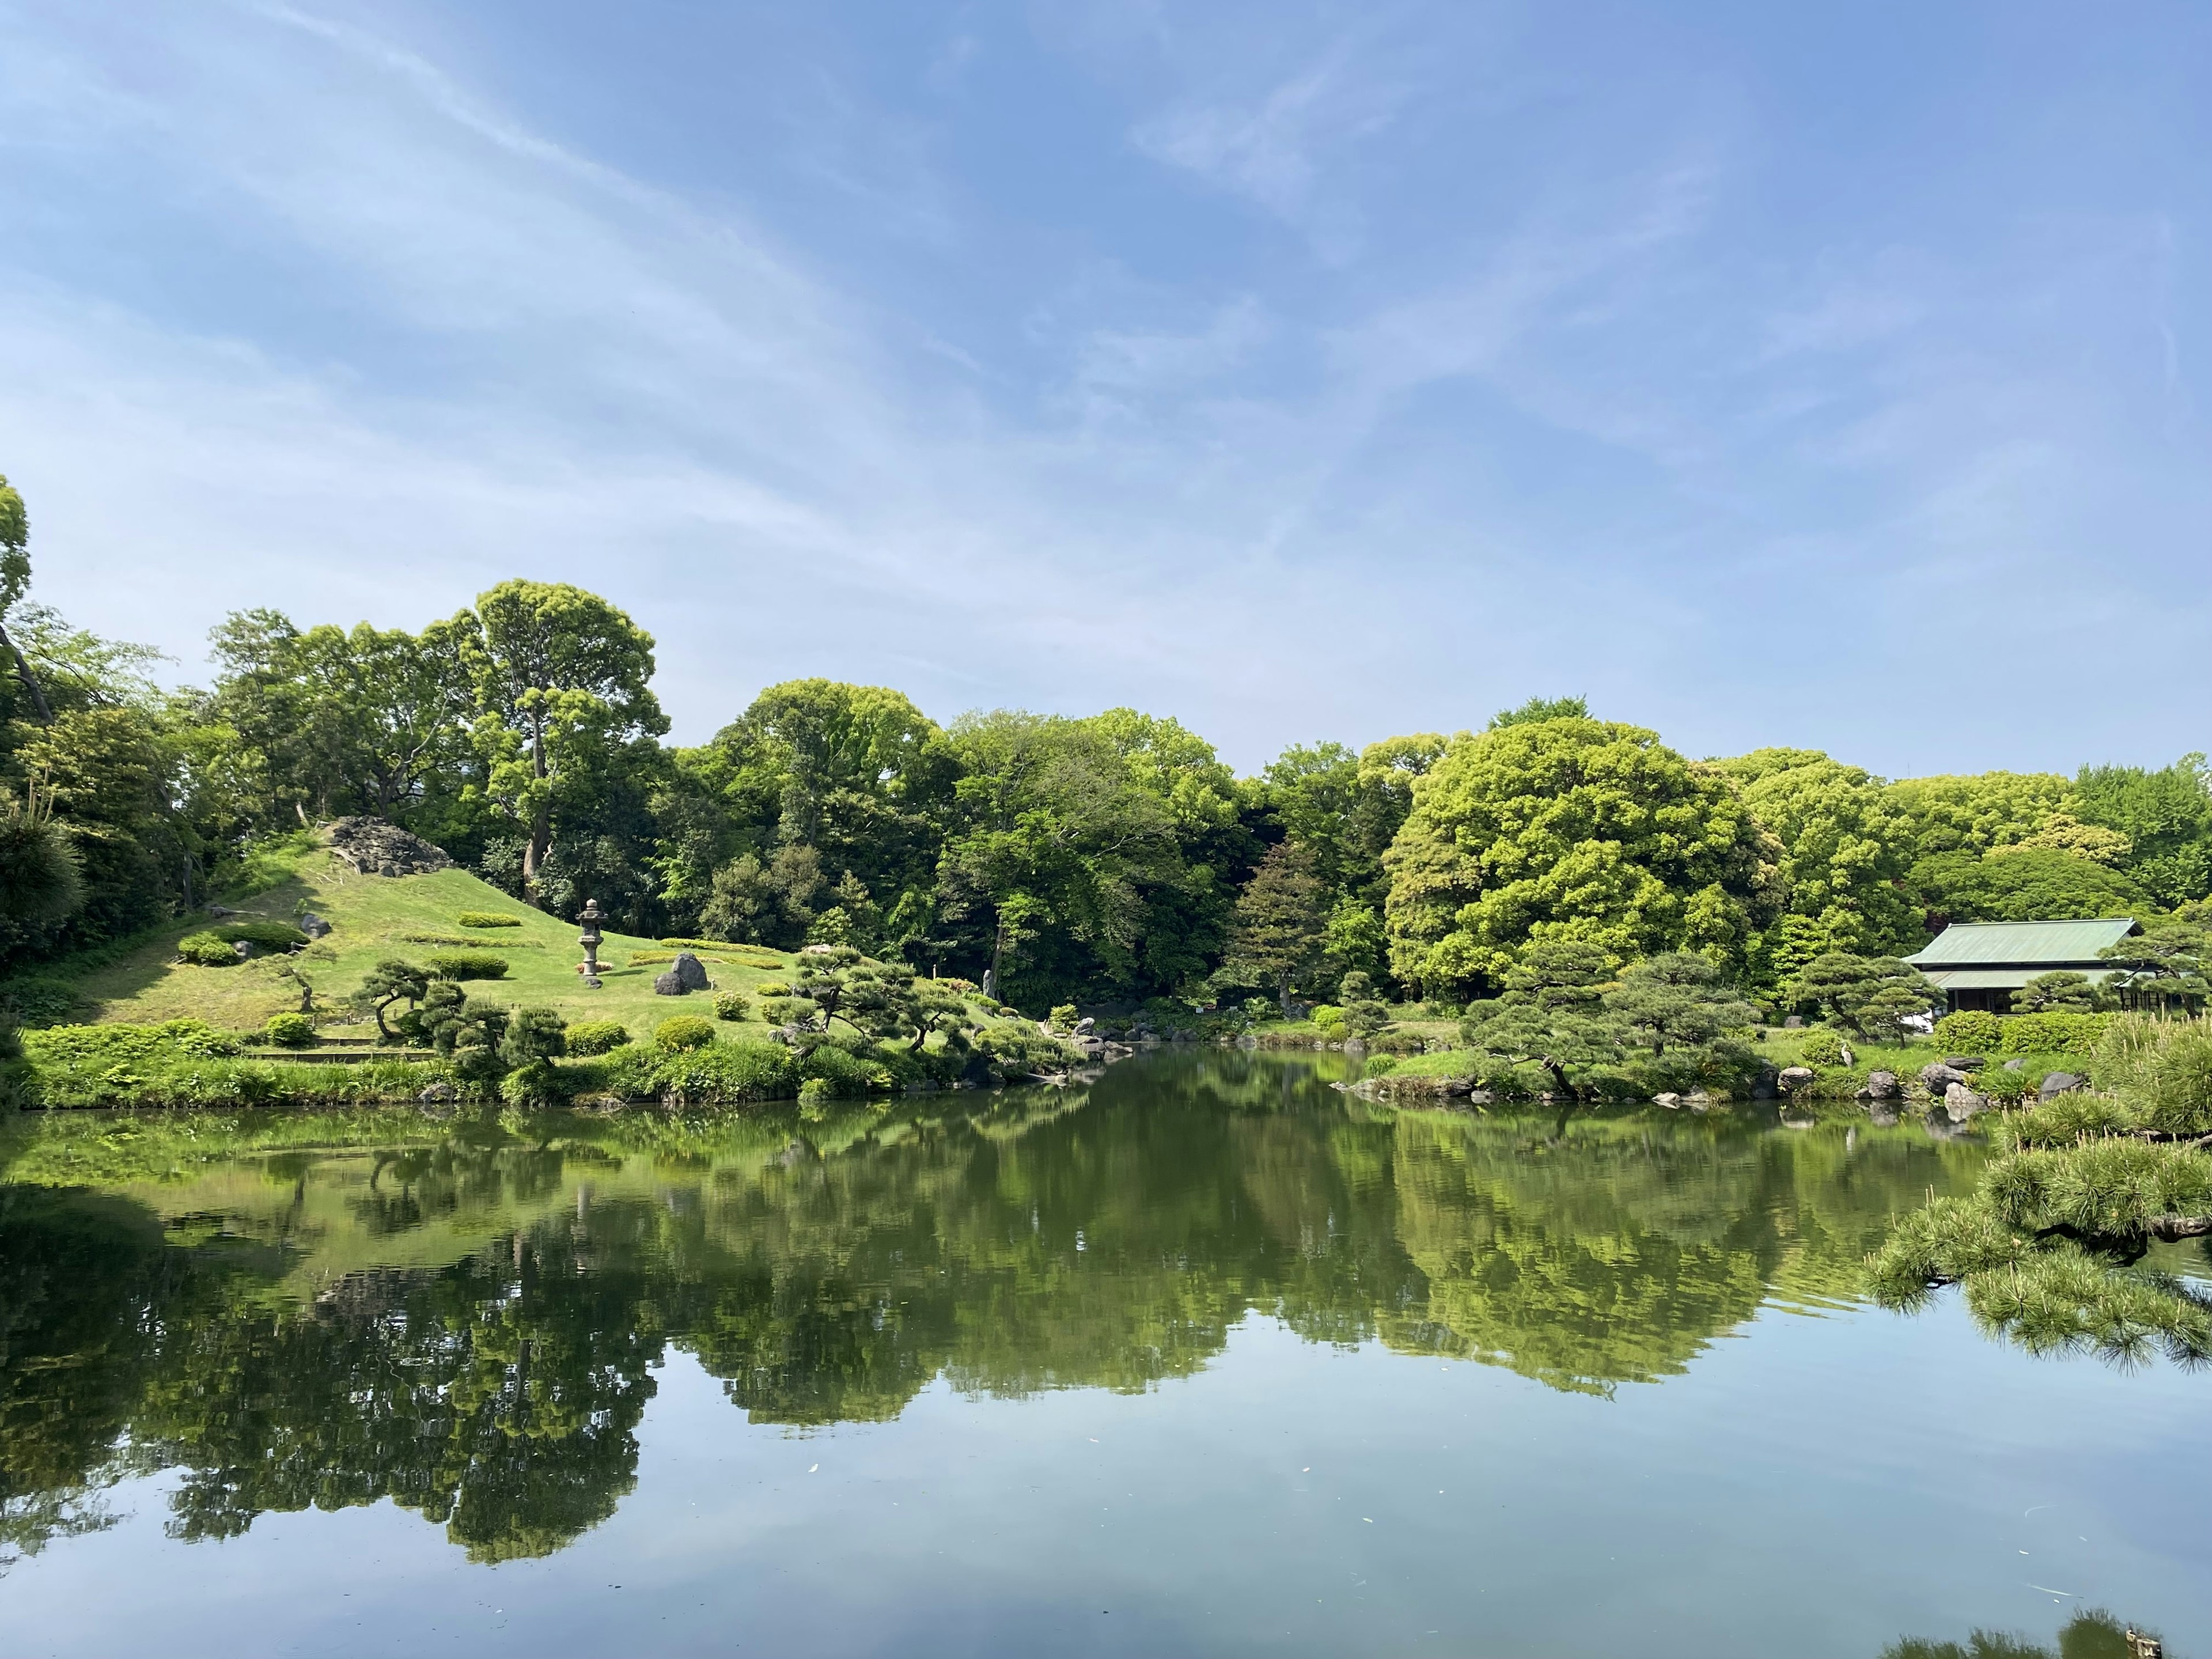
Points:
(533, 1040)
(2167, 965)
(2049, 1246)
(2061, 993)
(1679, 1000)
(1278, 932)
(468, 1034)
(393, 981)
(1874, 996)
(1552, 1012)
(1364, 1013)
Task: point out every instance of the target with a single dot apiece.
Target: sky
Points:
(1828, 376)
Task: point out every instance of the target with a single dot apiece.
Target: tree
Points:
(391, 980)
(1846, 851)
(2061, 993)
(1572, 827)
(1552, 1012)
(2023, 884)
(15, 582)
(1278, 930)
(1874, 996)
(560, 679)
(1677, 1001)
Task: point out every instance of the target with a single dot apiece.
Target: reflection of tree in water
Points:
(1007, 1244)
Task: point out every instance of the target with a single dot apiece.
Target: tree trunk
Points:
(30, 680)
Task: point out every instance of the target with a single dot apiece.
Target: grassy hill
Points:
(373, 917)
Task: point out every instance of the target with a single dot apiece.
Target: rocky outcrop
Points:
(377, 849)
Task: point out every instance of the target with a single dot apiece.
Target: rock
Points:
(1962, 1102)
(437, 1094)
(1940, 1076)
(2060, 1083)
(1882, 1086)
(1794, 1077)
(374, 848)
(313, 926)
(1672, 1103)
(1964, 1063)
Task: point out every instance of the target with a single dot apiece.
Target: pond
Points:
(1206, 1358)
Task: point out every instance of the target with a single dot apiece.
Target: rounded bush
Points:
(290, 1031)
(682, 1033)
(467, 964)
(597, 1037)
(206, 951)
(1821, 1048)
(733, 1005)
(486, 919)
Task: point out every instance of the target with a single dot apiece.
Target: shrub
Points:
(289, 1031)
(1821, 1048)
(206, 951)
(261, 935)
(683, 1034)
(597, 1037)
(733, 1005)
(1969, 1031)
(486, 919)
(467, 964)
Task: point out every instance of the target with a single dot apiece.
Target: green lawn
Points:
(373, 917)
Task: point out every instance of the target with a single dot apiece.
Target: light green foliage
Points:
(2024, 884)
(1975, 814)
(732, 1005)
(1873, 996)
(205, 949)
(467, 964)
(289, 1031)
(2061, 993)
(596, 1037)
(1572, 829)
(487, 919)
(684, 1032)
(1846, 847)
(1820, 1048)
(1969, 1031)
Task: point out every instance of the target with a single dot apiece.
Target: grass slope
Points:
(372, 917)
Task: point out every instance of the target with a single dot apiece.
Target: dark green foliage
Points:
(685, 1032)
(290, 1031)
(467, 964)
(207, 951)
(597, 1037)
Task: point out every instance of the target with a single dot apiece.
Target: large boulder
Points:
(2059, 1083)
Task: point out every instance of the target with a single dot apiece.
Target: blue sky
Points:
(1828, 376)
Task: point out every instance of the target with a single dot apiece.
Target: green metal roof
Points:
(2002, 979)
(2021, 943)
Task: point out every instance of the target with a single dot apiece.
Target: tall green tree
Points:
(564, 703)
(1572, 827)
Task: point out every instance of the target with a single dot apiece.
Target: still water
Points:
(1207, 1359)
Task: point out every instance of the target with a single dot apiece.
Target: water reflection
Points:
(465, 1319)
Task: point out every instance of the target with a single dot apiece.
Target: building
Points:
(1979, 964)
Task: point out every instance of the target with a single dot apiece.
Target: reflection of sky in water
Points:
(1792, 1484)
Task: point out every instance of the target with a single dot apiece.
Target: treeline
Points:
(1112, 856)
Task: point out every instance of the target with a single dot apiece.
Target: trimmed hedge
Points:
(467, 964)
